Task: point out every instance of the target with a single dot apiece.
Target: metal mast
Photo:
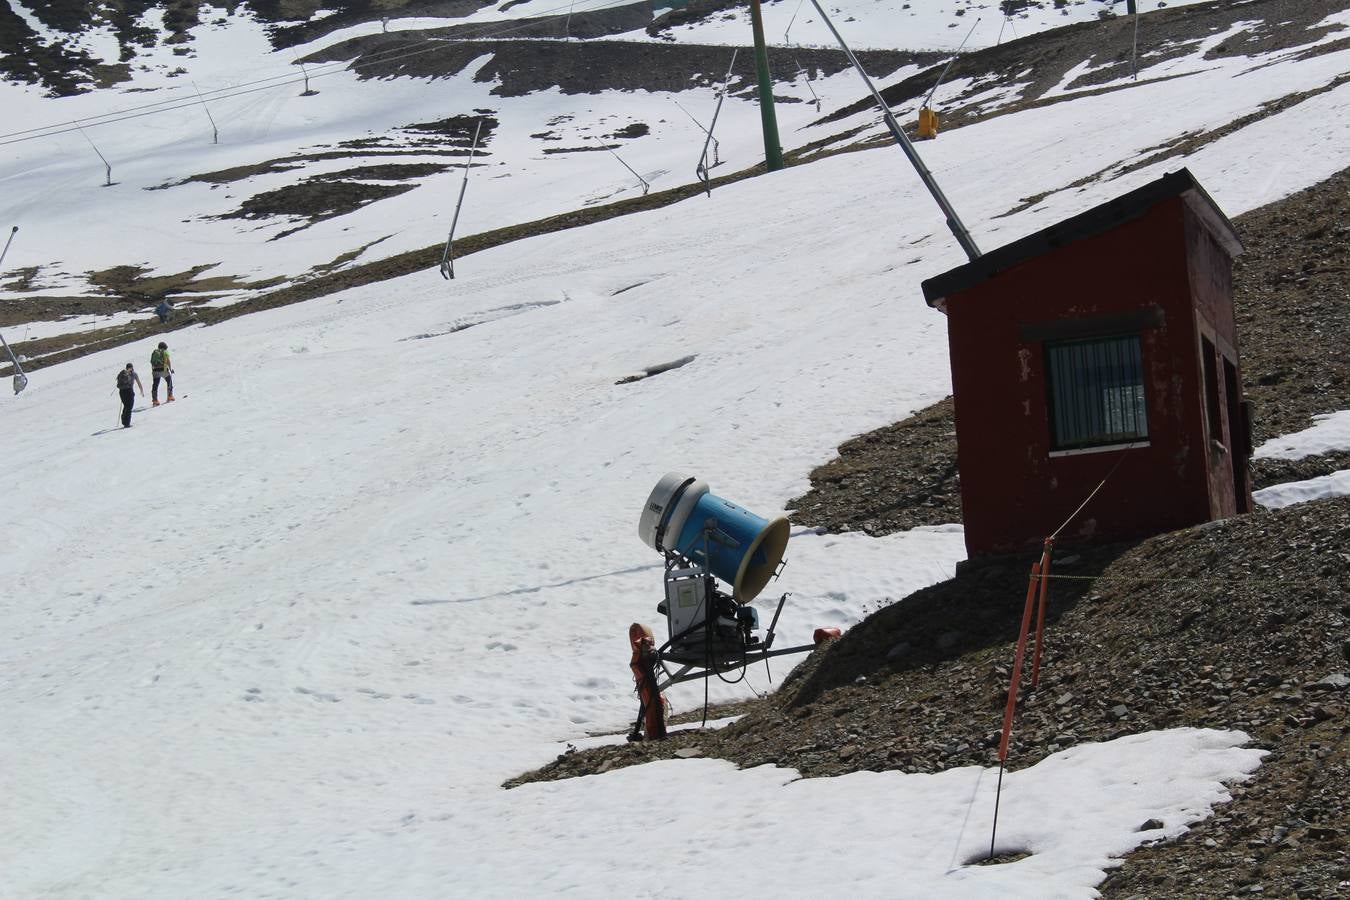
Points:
(953, 220)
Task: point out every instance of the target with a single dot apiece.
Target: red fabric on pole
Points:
(643, 665)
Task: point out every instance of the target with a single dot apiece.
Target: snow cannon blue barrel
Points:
(684, 517)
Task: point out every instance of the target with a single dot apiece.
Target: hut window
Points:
(1096, 392)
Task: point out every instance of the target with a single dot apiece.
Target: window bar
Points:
(1084, 397)
(1129, 411)
(1118, 413)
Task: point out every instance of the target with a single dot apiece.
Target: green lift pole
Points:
(773, 150)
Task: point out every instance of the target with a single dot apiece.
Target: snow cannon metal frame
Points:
(705, 538)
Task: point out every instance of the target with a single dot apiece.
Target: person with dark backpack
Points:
(125, 380)
(160, 368)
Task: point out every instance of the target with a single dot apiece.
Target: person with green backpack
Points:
(160, 367)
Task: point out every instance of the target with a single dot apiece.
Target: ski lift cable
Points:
(690, 115)
(801, 71)
(393, 54)
(700, 128)
(645, 185)
(943, 74)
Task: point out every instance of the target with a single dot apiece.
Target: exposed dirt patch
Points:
(586, 148)
(128, 288)
(343, 259)
(236, 173)
(691, 13)
(386, 172)
(1267, 472)
(460, 129)
(292, 22)
(24, 279)
(632, 130)
(132, 285)
(290, 163)
(65, 69)
(314, 200)
(524, 67)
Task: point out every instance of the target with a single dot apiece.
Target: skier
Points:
(164, 310)
(125, 379)
(160, 367)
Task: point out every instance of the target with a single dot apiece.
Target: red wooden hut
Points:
(1104, 345)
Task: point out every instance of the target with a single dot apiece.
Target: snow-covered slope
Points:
(921, 24)
(288, 635)
(226, 179)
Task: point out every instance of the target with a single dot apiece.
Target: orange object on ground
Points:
(822, 635)
(928, 123)
(652, 713)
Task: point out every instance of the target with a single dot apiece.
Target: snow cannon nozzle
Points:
(683, 518)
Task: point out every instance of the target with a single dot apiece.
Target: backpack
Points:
(157, 358)
(124, 380)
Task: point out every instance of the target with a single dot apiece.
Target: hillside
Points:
(291, 634)
(310, 194)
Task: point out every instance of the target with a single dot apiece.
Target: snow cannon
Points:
(684, 517)
(704, 539)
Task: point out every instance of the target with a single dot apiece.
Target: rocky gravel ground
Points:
(890, 479)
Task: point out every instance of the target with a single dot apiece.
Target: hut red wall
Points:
(1014, 491)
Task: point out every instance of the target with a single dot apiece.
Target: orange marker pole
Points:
(1017, 663)
(1040, 614)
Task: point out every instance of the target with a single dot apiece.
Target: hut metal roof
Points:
(1094, 221)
